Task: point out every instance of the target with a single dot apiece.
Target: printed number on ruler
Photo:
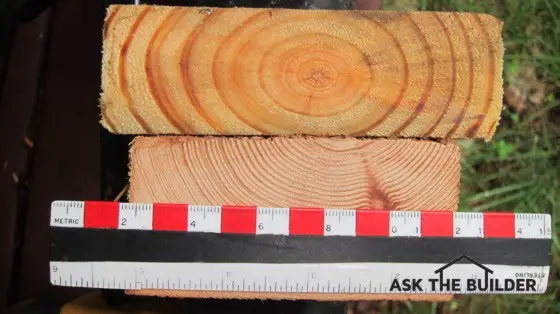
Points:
(273, 221)
(532, 226)
(468, 225)
(404, 224)
(135, 216)
(340, 222)
(205, 218)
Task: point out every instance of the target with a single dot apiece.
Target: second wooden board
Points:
(288, 172)
(239, 71)
(284, 172)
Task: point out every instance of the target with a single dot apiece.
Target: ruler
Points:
(260, 249)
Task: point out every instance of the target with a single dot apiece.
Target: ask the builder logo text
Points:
(441, 283)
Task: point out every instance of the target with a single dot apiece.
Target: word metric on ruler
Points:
(340, 222)
(404, 224)
(204, 218)
(468, 225)
(135, 216)
(273, 221)
(532, 226)
(67, 214)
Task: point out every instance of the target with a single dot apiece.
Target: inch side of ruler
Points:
(279, 278)
(297, 221)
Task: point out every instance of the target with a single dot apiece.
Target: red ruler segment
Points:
(297, 220)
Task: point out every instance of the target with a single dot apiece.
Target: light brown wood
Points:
(283, 172)
(240, 71)
(291, 295)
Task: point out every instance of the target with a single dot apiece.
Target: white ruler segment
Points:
(205, 218)
(340, 222)
(278, 278)
(532, 226)
(405, 224)
(273, 221)
(468, 225)
(135, 216)
(67, 214)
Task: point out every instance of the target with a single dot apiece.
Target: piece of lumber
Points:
(241, 71)
(290, 295)
(281, 172)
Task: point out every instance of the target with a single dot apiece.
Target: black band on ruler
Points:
(76, 244)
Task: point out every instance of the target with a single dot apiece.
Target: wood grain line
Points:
(251, 19)
(453, 76)
(187, 48)
(489, 80)
(153, 69)
(467, 102)
(428, 88)
(113, 11)
(123, 71)
(404, 84)
(491, 128)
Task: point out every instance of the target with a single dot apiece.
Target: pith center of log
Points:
(315, 75)
(319, 75)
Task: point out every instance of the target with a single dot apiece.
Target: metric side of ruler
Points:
(360, 278)
(298, 221)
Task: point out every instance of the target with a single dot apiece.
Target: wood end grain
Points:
(282, 172)
(244, 71)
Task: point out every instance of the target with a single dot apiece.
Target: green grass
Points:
(519, 169)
